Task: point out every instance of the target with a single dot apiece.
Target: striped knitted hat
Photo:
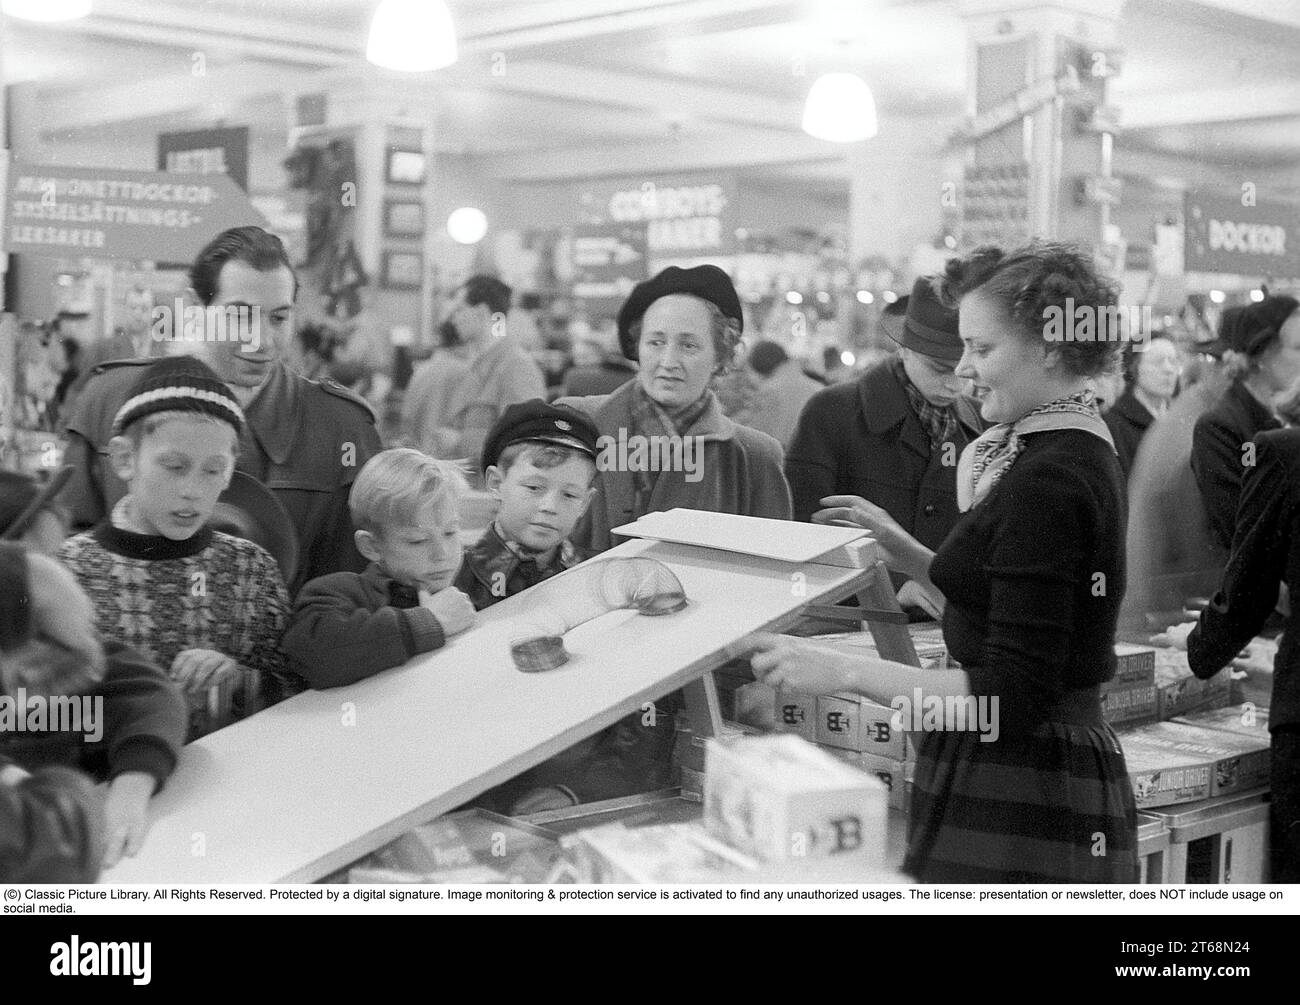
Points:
(179, 384)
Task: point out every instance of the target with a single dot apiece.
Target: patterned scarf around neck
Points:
(649, 419)
(939, 422)
(987, 458)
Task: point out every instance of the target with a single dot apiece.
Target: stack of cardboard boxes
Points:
(1182, 744)
(770, 802)
(858, 731)
(1180, 741)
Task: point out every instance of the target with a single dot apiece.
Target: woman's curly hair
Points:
(1031, 280)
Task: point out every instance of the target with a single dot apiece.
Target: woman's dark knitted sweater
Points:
(1034, 576)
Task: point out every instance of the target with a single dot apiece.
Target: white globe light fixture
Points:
(46, 10)
(840, 108)
(467, 225)
(413, 36)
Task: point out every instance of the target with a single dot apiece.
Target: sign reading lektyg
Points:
(1242, 236)
(138, 215)
(206, 151)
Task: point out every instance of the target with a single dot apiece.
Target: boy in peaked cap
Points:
(539, 462)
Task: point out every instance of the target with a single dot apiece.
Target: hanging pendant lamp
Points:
(840, 108)
(49, 11)
(414, 36)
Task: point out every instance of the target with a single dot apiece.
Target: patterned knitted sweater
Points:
(212, 591)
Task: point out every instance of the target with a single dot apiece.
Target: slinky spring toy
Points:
(586, 592)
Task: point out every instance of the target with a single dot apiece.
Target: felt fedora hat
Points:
(924, 325)
(248, 509)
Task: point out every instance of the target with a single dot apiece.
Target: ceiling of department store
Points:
(673, 83)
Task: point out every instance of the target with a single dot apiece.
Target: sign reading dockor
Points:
(141, 215)
(1257, 239)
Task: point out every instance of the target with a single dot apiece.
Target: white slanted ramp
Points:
(310, 785)
(796, 544)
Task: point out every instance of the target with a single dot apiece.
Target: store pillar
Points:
(1039, 132)
(369, 197)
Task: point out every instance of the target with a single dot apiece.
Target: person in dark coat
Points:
(1263, 350)
(1172, 555)
(1150, 385)
(596, 369)
(893, 436)
(304, 440)
(1033, 574)
(52, 820)
(1265, 556)
(781, 390)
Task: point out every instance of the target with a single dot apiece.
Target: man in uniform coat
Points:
(304, 440)
(893, 436)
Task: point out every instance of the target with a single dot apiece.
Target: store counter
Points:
(314, 783)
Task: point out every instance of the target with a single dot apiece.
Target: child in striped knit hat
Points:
(206, 606)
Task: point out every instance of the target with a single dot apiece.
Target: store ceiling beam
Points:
(1237, 104)
(669, 99)
(1177, 172)
(1271, 12)
(166, 25)
(174, 94)
(549, 28)
(559, 26)
(721, 149)
(667, 157)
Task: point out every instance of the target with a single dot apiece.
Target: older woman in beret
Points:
(1033, 787)
(681, 328)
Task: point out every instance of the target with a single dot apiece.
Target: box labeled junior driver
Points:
(1161, 776)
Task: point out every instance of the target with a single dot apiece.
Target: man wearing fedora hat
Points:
(893, 436)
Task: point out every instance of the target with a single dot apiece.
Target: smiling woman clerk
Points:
(1033, 576)
(681, 327)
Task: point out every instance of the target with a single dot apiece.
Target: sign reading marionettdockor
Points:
(66, 212)
(1242, 236)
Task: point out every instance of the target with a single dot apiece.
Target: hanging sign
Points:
(64, 212)
(1242, 236)
(206, 151)
(685, 217)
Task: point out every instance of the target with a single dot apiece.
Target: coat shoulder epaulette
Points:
(114, 364)
(333, 387)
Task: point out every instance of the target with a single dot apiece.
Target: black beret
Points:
(537, 422)
(707, 282)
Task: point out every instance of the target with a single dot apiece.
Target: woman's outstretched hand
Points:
(801, 665)
(897, 546)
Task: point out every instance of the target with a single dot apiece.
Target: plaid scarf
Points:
(938, 421)
(989, 457)
(650, 419)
